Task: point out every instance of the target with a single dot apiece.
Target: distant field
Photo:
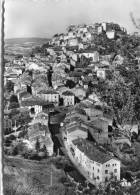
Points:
(24, 40)
(22, 45)
(29, 177)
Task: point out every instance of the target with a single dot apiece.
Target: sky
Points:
(44, 18)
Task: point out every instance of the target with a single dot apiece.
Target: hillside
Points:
(30, 177)
(22, 45)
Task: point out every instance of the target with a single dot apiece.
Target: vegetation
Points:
(9, 86)
(32, 178)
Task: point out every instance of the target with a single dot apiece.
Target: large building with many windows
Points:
(98, 165)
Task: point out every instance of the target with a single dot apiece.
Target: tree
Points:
(13, 98)
(121, 100)
(9, 86)
(25, 78)
(37, 145)
(45, 151)
(13, 105)
(70, 84)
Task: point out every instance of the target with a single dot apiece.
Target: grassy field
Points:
(22, 45)
(24, 177)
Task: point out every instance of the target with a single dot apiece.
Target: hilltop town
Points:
(77, 97)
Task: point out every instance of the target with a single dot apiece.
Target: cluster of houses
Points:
(81, 35)
(38, 130)
(61, 78)
(98, 165)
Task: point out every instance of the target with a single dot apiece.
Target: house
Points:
(93, 96)
(11, 77)
(98, 165)
(73, 42)
(101, 73)
(35, 105)
(61, 88)
(49, 95)
(41, 133)
(110, 34)
(74, 128)
(90, 109)
(75, 76)
(79, 92)
(91, 54)
(75, 132)
(40, 117)
(68, 98)
(36, 131)
(35, 67)
(18, 86)
(80, 46)
(37, 86)
(100, 29)
(23, 95)
(76, 112)
(70, 34)
(72, 62)
(118, 60)
(100, 128)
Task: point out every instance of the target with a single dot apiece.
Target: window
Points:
(32, 111)
(98, 170)
(106, 171)
(93, 168)
(115, 170)
(98, 177)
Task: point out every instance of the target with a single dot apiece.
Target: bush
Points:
(7, 142)
(13, 105)
(13, 98)
(22, 134)
(18, 148)
(30, 154)
(11, 137)
(9, 86)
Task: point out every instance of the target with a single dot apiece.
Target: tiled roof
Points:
(75, 74)
(24, 94)
(72, 119)
(91, 151)
(43, 91)
(36, 128)
(46, 140)
(32, 102)
(76, 111)
(67, 93)
(76, 127)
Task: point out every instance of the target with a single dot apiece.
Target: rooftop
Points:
(33, 101)
(67, 93)
(91, 151)
(36, 128)
(24, 94)
(76, 127)
(49, 91)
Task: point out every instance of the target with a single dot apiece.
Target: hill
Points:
(22, 45)
(30, 177)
